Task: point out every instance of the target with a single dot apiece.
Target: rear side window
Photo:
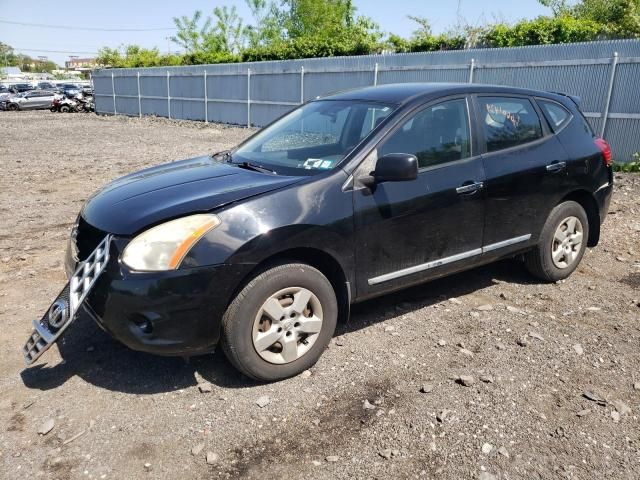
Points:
(508, 122)
(556, 114)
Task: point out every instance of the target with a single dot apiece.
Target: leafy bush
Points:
(310, 47)
(631, 167)
(543, 31)
(427, 43)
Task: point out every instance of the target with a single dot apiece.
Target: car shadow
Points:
(94, 356)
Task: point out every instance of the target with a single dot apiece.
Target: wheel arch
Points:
(327, 264)
(587, 201)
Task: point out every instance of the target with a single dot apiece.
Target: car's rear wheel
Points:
(562, 243)
(280, 322)
(13, 107)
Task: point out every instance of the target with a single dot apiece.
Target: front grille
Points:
(87, 238)
(61, 313)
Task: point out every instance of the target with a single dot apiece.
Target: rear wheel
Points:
(280, 323)
(13, 107)
(562, 243)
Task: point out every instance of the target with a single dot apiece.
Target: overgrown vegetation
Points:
(290, 29)
(631, 167)
(9, 58)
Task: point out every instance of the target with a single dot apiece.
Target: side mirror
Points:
(396, 167)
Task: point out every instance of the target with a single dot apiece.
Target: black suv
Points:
(264, 247)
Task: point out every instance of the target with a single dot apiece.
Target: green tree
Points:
(622, 17)
(267, 27)
(191, 31)
(424, 26)
(558, 7)
(228, 31)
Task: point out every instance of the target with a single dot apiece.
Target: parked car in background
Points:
(4, 97)
(262, 248)
(46, 86)
(87, 90)
(32, 100)
(69, 89)
(21, 87)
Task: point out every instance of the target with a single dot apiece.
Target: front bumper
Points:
(168, 313)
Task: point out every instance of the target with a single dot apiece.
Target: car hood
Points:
(142, 199)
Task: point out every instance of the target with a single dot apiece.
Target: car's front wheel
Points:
(280, 322)
(562, 244)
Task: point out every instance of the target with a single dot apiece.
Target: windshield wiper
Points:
(255, 167)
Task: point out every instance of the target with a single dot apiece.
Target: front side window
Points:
(435, 135)
(314, 137)
(508, 122)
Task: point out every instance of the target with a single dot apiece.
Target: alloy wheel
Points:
(287, 325)
(567, 242)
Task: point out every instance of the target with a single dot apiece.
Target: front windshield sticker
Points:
(317, 163)
(327, 164)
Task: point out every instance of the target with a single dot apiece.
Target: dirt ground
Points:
(534, 353)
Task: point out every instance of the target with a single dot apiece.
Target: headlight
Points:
(163, 247)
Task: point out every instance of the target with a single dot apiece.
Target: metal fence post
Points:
(375, 74)
(248, 98)
(612, 78)
(206, 100)
(168, 95)
(472, 69)
(301, 85)
(113, 89)
(139, 98)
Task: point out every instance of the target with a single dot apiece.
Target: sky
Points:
(156, 17)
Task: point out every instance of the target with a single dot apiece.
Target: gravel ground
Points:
(486, 374)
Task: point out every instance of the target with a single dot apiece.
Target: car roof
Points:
(403, 93)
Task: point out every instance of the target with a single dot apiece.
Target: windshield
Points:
(314, 137)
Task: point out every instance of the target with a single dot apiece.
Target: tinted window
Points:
(508, 122)
(556, 114)
(435, 135)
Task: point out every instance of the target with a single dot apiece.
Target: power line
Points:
(88, 29)
(52, 51)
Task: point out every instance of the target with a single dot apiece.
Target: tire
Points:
(65, 109)
(245, 324)
(13, 107)
(555, 258)
(53, 109)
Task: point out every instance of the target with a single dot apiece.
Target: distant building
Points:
(81, 64)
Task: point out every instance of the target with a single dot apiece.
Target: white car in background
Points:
(32, 100)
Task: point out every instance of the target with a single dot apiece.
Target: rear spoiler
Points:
(575, 99)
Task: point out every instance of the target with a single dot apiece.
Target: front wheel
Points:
(562, 244)
(280, 322)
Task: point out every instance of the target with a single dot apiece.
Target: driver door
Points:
(410, 231)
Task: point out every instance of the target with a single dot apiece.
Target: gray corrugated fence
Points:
(606, 75)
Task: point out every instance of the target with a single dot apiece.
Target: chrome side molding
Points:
(444, 261)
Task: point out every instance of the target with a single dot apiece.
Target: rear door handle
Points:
(469, 188)
(556, 166)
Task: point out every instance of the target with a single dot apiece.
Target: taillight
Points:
(606, 151)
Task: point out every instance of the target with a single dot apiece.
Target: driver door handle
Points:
(469, 188)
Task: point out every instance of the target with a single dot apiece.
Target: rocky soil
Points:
(487, 374)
